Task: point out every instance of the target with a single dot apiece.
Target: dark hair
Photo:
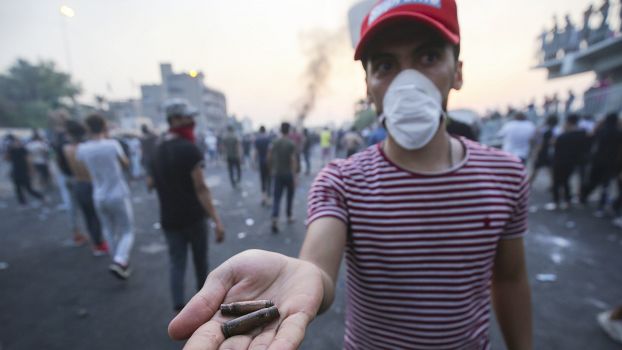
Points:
(552, 120)
(572, 119)
(75, 130)
(285, 128)
(229, 127)
(95, 123)
(262, 129)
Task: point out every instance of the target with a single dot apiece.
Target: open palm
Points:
(295, 287)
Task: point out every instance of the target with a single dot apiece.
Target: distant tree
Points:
(29, 91)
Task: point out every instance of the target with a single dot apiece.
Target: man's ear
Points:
(458, 79)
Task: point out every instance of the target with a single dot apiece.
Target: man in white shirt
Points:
(518, 135)
(103, 158)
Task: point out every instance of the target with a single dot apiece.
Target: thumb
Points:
(202, 307)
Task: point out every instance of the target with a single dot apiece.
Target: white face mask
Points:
(412, 109)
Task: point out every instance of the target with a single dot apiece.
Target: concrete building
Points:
(211, 103)
(152, 97)
(595, 49)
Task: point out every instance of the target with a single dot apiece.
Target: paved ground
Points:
(54, 296)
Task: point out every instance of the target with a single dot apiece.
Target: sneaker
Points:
(120, 271)
(101, 249)
(613, 328)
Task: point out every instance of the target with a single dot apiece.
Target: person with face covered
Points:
(185, 200)
(431, 226)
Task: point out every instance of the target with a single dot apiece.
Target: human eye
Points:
(382, 66)
(430, 57)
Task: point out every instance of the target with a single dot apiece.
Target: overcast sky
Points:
(253, 50)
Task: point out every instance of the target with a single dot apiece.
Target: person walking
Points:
(431, 226)
(307, 145)
(325, 144)
(570, 147)
(64, 180)
(103, 158)
(284, 166)
(606, 151)
(518, 135)
(233, 152)
(82, 188)
(39, 152)
(21, 170)
(262, 147)
(544, 149)
(185, 200)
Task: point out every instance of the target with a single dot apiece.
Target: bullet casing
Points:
(244, 307)
(247, 323)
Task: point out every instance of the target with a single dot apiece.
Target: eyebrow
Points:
(430, 44)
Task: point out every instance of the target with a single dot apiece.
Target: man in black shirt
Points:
(570, 147)
(21, 167)
(177, 174)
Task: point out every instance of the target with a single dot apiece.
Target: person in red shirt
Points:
(431, 226)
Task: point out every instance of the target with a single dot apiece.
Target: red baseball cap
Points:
(441, 15)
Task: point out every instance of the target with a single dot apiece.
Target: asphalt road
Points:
(55, 296)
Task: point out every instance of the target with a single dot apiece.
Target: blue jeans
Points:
(178, 240)
(83, 194)
(283, 182)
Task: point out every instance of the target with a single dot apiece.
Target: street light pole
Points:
(66, 12)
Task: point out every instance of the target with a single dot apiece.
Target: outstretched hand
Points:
(295, 287)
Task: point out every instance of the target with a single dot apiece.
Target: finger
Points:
(291, 332)
(263, 340)
(240, 342)
(207, 337)
(204, 304)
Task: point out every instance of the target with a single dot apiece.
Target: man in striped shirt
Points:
(431, 225)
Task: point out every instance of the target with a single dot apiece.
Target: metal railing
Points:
(602, 101)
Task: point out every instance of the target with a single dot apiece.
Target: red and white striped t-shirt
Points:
(421, 247)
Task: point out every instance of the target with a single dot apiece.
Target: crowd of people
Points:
(431, 223)
(580, 149)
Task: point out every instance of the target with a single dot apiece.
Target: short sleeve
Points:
(118, 149)
(517, 226)
(192, 156)
(327, 196)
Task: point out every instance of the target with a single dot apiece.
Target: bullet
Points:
(247, 323)
(244, 307)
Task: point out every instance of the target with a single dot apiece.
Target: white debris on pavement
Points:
(153, 248)
(546, 277)
(557, 258)
(250, 222)
(157, 226)
(241, 235)
(4, 265)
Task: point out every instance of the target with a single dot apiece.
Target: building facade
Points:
(211, 103)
